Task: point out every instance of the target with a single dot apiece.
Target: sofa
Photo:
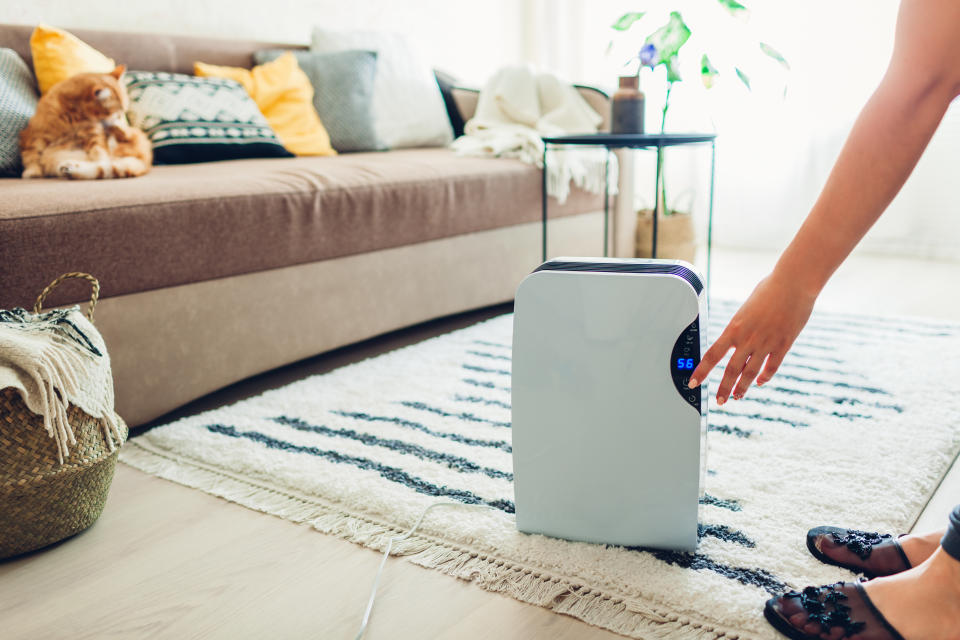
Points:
(215, 272)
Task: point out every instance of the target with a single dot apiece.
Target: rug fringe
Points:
(629, 617)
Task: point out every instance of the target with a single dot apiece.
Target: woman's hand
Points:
(761, 331)
(883, 148)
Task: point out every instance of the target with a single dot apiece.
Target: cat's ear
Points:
(118, 71)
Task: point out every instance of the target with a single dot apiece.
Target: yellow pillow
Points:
(57, 55)
(284, 95)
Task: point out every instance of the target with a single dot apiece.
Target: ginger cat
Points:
(80, 131)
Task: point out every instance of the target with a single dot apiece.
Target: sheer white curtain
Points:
(774, 152)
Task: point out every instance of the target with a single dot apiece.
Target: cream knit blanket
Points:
(516, 108)
(55, 359)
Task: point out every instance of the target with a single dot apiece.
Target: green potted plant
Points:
(662, 47)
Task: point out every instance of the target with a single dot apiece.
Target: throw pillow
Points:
(57, 55)
(284, 95)
(342, 94)
(407, 106)
(18, 103)
(190, 119)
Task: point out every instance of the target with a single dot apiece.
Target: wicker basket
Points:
(41, 500)
(676, 238)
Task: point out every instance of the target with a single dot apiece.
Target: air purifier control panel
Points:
(684, 359)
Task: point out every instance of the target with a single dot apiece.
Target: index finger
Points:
(709, 360)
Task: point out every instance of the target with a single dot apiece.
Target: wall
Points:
(467, 38)
(774, 153)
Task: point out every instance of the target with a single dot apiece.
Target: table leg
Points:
(656, 201)
(606, 204)
(713, 169)
(543, 201)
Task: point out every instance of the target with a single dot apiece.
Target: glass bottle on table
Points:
(627, 106)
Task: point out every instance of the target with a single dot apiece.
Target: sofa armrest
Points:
(466, 101)
(599, 100)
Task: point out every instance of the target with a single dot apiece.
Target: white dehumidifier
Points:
(609, 444)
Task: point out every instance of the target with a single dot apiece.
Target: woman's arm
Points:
(885, 144)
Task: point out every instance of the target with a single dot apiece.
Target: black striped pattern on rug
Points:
(448, 437)
(812, 371)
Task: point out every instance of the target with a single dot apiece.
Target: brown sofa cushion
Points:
(189, 223)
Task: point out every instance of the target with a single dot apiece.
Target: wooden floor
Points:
(165, 561)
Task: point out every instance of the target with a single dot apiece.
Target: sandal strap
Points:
(876, 612)
(903, 555)
(825, 607)
(862, 542)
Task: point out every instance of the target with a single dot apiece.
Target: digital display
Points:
(684, 360)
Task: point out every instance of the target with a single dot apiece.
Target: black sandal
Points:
(872, 554)
(805, 615)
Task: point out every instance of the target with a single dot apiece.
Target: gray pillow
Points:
(342, 94)
(18, 103)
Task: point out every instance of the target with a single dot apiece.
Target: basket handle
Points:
(94, 295)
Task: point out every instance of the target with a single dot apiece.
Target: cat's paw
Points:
(32, 171)
(128, 167)
(69, 169)
(83, 170)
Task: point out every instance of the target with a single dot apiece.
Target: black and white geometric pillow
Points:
(192, 119)
(18, 103)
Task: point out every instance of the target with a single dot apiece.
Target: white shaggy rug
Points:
(857, 429)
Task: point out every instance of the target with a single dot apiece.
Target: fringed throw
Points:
(55, 359)
(518, 106)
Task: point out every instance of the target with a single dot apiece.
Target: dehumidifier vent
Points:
(614, 266)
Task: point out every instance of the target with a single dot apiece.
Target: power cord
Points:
(386, 554)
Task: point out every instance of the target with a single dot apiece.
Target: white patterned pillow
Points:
(18, 103)
(408, 108)
(192, 119)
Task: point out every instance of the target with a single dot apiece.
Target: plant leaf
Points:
(669, 38)
(732, 6)
(707, 72)
(743, 78)
(673, 70)
(773, 53)
(626, 21)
